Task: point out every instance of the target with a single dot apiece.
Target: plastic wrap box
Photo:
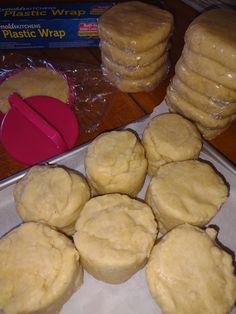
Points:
(50, 26)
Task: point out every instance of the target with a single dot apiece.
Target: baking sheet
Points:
(131, 297)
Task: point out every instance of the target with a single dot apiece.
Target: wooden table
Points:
(124, 108)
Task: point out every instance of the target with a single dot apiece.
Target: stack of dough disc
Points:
(204, 86)
(134, 45)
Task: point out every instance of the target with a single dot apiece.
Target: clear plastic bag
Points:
(90, 93)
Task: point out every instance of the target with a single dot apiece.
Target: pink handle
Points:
(31, 115)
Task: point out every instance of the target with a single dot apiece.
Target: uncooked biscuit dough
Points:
(39, 270)
(34, 82)
(201, 101)
(180, 105)
(130, 59)
(146, 84)
(134, 73)
(208, 133)
(170, 137)
(215, 91)
(52, 195)
(135, 25)
(212, 34)
(209, 68)
(115, 235)
(189, 273)
(116, 163)
(185, 191)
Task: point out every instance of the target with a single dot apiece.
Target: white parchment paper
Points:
(131, 297)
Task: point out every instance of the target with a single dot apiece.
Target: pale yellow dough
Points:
(213, 35)
(130, 59)
(39, 270)
(135, 25)
(53, 195)
(215, 91)
(209, 68)
(201, 101)
(34, 82)
(170, 137)
(188, 273)
(185, 191)
(146, 84)
(178, 104)
(208, 133)
(115, 235)
(134, 73)
(116, 162)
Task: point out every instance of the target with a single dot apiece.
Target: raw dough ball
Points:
(130, 59)
(186, 191)
(135, 25)
(213, 35)
(189, 273)
(170, 137)
(134, 73)
(52, 195)
(215, 91)
(178, 104)
(34, 82)
(209, 68)
(201, 101)
(115, 162)
(115, 235)
(39, 270)
(208, 133)
(137, 85)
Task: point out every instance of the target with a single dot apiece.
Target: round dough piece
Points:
(115, 235)
(39, 270)
(146, 84)
(209, 68)
(34, 82)
(212, 34)
(215, 91)
(189, 273)
(170, 137)
(185, 191)
(135, 25)
(116, 163)
(130, 59)
(134, 73)
(178, 104)
(201, 101)
(53, 195)
(208, 133)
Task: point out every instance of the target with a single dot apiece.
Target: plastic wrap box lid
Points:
(49, 26)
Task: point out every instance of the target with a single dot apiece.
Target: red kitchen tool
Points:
(37, 128)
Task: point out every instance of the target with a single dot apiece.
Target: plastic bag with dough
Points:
(209, 68)
(213, 35)
(135, 25)
(130, 59)
(215, 91)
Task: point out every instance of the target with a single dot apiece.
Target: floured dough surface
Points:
(201, 101)
(130, 59)
(189, 273)
(215, 91)
(129, 85)
(209, 68)
(116, 162)
(39, 270)
(186, 191)
(53, 195)
(115, 235)
(138, 72)
(34, 82)
(170, 137)
(178, 104)
(213, 35)
(135, 25)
